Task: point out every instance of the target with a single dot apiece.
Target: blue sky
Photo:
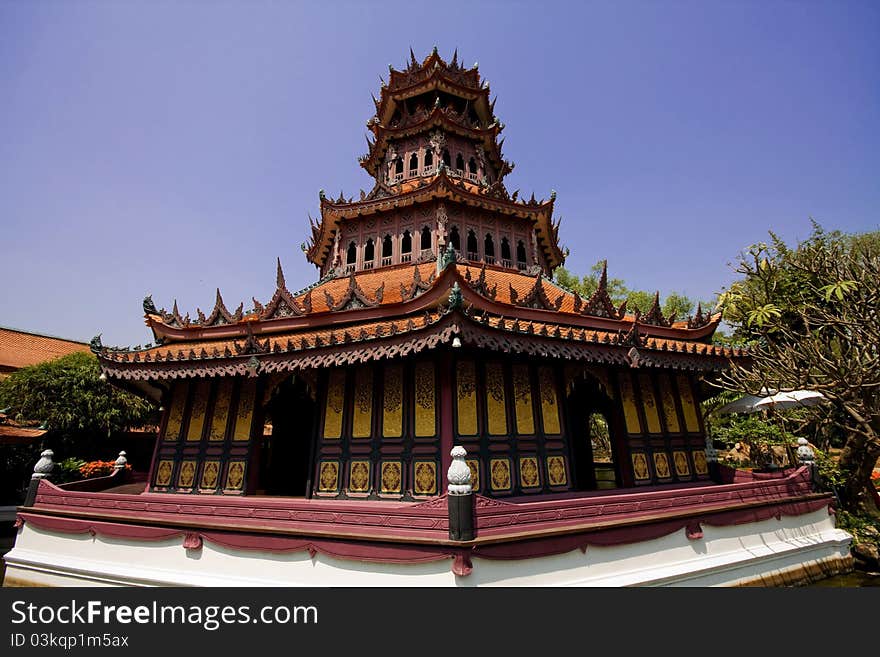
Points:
(174, 147)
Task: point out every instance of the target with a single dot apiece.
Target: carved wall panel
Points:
(392, 407)
(496, 408)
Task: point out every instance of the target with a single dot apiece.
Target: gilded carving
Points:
(556, 471)
(245, 413)
(496, 409)
(390, 477)
(630, 410)
(640, 466)
(661, 465)
(528, 472)
(669, 410)
(522, 394)
(426, 424)
(680, 461)
(363, 403)
(197, 413)
(163, 473)
(359, 476)
(549, 403)
(328, 477)
(652, 417)
(187, 474)
(474, 465)
(691, 420)
(392, 405)
(210, 472)
(333, 405)
(175, 413)
(700, 465)
(235, 475)
(425, 478)
(499, 470)
(221, 411)
(467, 398)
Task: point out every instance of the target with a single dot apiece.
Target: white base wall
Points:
(724, 556)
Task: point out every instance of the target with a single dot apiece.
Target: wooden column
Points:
(447, 399)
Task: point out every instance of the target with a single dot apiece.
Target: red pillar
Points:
(446, 419)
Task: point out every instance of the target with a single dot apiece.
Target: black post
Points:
(461, 517)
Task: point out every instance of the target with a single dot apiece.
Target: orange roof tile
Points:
(21, 349)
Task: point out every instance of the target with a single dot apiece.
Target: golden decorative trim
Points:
(556, 474)
(391, 477)
(499, 471)
(685, 393)
(661, 465)
(680, 461)
(392, 404)
(528, 472)
(496, 409)
(549, 401)
(700, 465)
(474, 465)
(630, 410)
(425, 400)
(669, 411)
(197, 413)
(235, 472)
(362, 416)
(176, 410)
(244, 414)
(466, 378)
(328, 477)
(652, 417)
(220, 416)
(522, 395)
(187, 474)
(163, 472)
(424, 477)
(359, 476)
(334, 404)
(640, 466)
(210, 475)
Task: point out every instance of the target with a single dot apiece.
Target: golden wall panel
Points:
(640, 466)
(334, 405)
(244, 414)
(175, 414)
(528, 472)
(425, 400)
(688, 405)
(187, 474)
(328, 477)
(220, 416)
(630, 410)
(549, 401)
(163, 472)
(392, 404)
(474, 465)
(522, 395)
(499, 474)
(649, 403)
(680, 461)
(390, 477)
(556, 474)
(425, 477)
(210, 475)
(362, 415)
(496, 409)
(669, 411)
(197, 412)
(359, 476)
(661, 465)
(235, 472)
(466, 398)
(700, 465)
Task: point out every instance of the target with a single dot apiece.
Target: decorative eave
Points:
(437, 118)
(440, 186)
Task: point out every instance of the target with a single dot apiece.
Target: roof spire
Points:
(279, 276)
(603, 278)
(412, 57)
(454, 61)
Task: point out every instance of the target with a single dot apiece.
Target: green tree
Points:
(811, 318)
(76, 407)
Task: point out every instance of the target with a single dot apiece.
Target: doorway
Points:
(593, 438)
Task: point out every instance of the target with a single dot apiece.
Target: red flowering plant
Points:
(94, 469)
(875, 478)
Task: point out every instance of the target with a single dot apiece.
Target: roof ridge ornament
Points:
(654, 316)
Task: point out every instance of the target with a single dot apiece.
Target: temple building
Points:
(330, 413)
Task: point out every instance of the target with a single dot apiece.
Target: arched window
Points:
(459, 163)
(455, 239)
(398, 169)
(414, 164)
(472, 166)
(489, 249)
(446, 159)
(351, 255)
(472, 246)
(520, 255)
(369, 254)
(426, 239)
(429, 158)
(505, 252)
(387, 246)
(406, 247)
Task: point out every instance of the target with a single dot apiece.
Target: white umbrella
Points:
(793, 399)
(745, 404)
